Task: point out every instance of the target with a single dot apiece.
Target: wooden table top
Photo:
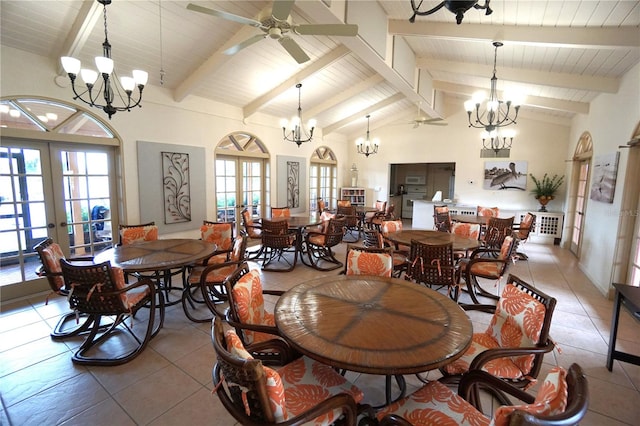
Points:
(156, 255)
(373, 325)
(433, 237)
(468, 218)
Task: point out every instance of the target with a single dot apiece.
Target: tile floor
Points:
(170, 382)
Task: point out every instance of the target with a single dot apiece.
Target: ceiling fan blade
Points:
(349, 30)
(224, 15)
(248, 42)
(281, 9)
(294, 49)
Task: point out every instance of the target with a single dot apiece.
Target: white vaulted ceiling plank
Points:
(345, 95)
(596, 38)
(334, 126)
(89, 14)
(315, 67)
(540, 102)
(580, 82)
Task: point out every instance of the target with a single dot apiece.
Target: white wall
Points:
(611, 121)
(541, 144)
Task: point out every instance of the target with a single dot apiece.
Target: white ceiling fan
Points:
(421, 119)
(278, 25)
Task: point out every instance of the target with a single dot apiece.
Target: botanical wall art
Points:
(291, 183)
(603, 183)
(505, 175)
(176, 187)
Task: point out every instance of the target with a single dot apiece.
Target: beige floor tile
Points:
(105, 413)
(201, 408)
(31, 353)
(606, 399)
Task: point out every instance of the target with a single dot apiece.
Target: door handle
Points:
(63, 223)
(51, 225)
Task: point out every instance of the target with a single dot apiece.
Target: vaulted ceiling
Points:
(561, 54)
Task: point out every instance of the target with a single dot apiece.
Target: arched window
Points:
(323, 178)
(242, 176)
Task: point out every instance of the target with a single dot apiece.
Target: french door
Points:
(65, 192)
(240, 183)
(581, 198)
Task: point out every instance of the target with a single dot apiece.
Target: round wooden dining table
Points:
(470, 218)
(373, 325)
(159, 257)
(460, 243)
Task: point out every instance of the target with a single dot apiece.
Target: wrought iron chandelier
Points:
(109, 87)
(497, 141)
(456, 7)
(297, 133)
(367, 146)
(498, 113)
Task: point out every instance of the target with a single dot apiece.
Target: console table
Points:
(630, 296)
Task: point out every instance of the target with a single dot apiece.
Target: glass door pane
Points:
(86, 184)
(581, 194)
(25, 205)
(226, 189)
(252, 186)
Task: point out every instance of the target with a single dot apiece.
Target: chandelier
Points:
(497, 112)
(497, 141)
(297, 133)
(457, 7)
(109, 87)
(365, 145)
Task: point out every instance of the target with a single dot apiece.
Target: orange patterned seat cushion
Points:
(298, 386)
(435, 404)
(517, 322)
(280, 212)
(138, 234)
(52, 255)
(132, 297)
(551, 399)
(249, 303)
(365, 263)
(467, 230)
(218, 234)
(488, 211)
(216, 276)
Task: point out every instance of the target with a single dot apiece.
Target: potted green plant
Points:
(545, 189)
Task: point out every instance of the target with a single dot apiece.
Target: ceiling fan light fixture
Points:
(458, 8)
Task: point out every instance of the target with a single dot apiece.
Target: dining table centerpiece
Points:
(545, 189)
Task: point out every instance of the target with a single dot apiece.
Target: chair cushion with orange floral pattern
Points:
(490, 269)
(277, 212)
(131, 297)
(138, 234)
(467, 230)
(435, 404)
(551, 399)
(488, 211)
(365, 263)
(298, 386)
(218, 234)
(517, 322)
(249, 303)
(306, 382)
(52, 255)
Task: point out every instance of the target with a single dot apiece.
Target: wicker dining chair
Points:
(496, 230)
(99, 290)
(352, 223)
(513, 345)
(301, 391)
(319, 244)
(378, 218)
(277, 243)
(381, 208)
(205, 284)
(368, 261)
(442, 218)
(522, 232)
(467, 230)
(486, 263)
(562, 400)
(433, 266)
(373, 239)
(253, 231)
(69, 324)
(131, 234)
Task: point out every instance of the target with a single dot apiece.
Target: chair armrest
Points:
(253, 327)
(273, 292)
(475, 379)
(285, 351)
(489, 354)
(479, 307)
(81, 259)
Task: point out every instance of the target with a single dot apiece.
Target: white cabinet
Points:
(548, 229)
(355, 195)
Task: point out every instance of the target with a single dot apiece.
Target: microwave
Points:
(414, 180)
